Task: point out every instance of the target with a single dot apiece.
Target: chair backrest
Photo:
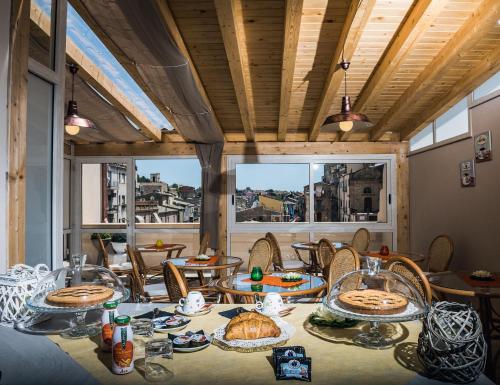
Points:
(260, 255)
(276, 251)
(138, 279)
(104, 252)
(204, 244)
(440, 253)
(361, 240)
(408, 269)
(344, 261)
(326, 251)
(175, 282)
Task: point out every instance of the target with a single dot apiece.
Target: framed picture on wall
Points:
(482, 146)
(467, 173)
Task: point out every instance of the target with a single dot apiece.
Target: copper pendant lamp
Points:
(72, 122)
(347, 120)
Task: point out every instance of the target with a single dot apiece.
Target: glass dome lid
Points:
(375, 295)
(86, 287)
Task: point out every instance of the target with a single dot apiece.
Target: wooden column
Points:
(18, 103)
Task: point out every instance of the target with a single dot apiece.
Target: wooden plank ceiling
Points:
(269, 68)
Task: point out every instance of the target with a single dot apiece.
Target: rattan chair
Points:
(344, 261)
(142, 292)
(278, 262)
(408, 269)
(440, 254)
(104, 252)
(326, 251)
(361, 240)
(260, 255)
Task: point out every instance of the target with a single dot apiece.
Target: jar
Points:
(107, 321)
(123, 346)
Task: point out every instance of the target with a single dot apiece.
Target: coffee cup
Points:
(193, 302)
(272, 304)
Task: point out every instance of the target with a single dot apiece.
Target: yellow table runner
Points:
(338, 362)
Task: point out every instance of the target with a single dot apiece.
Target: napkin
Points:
(231, 313)
(151, 315)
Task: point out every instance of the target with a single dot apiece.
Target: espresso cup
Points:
(272, 304)
(193, 302)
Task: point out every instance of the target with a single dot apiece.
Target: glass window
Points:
(41, 46)
(350, 192)
(102, 187)
(488, 87)
(39, 172)
(66, 194)
(167, 191)
(423, 139)
(453, 122)
(272, 192)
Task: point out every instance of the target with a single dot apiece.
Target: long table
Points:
(337, 362)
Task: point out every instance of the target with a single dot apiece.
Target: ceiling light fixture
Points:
(72, 122)
(347, 120)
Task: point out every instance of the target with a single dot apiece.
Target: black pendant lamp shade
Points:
(347, 120)
(73, 122)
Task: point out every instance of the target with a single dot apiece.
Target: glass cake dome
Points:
(86, 287)
(376, 296)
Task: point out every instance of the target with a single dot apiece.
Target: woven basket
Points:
(15, 288)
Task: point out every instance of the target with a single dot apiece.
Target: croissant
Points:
(251, 326)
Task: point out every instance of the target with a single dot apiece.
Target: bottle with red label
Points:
(123, 346)
(108, 321)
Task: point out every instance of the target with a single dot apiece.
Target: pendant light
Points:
(347, 120)
(73, 122)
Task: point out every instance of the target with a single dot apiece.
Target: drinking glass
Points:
(142, 327)
(158, 360)
(256, 274)
(373, 265)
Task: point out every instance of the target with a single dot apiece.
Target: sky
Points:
(289, 177)
(89, 43)
(185, 172)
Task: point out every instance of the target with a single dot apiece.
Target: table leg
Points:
(315, 267)
(485, 314)
(178, 253)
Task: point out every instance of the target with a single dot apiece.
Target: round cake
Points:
(78, 296)
(371, 301)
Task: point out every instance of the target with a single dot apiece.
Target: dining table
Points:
(165, 251)
(312, 266)
(461, 283)
(335, 359)
(242, 285)
(414, 256)
(217, 265)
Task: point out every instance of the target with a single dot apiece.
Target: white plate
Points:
(171, 329)
(179, 310)
(284, 309)
(195, 349)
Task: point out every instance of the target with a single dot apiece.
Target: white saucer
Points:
(179, 310)
(283, 309)
(196, 348)
(168, 330)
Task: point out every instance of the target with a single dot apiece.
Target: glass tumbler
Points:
(142, 327)
(158, 360)
(256, 274)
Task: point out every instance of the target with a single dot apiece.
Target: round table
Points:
(459, 283)
(415, 257)
(312, 247)
(235, 285)
(167, 248)
(222, 263)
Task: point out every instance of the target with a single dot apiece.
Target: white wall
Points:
(4, 69)
(91, 193)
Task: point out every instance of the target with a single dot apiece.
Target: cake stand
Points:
(73, 277)
(382, 280)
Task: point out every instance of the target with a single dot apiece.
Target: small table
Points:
(313, 266)
(151, 248)
(415, 257)
(235, 285)
(456, 283)
(222, 263)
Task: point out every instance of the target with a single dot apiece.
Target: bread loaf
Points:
(251, 326)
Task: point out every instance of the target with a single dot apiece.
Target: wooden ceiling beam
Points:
(486, 68)
(90, 73)
(291, 40)
(171, 25)
(482, 20)
(355, 22)
(230, 16)
(124, 60)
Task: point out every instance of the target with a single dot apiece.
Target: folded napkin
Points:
(231, 313)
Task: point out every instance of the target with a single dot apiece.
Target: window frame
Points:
(311, 226)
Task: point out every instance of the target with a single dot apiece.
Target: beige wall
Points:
(438, 204)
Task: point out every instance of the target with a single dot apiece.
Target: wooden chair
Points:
(326, 251)
(260, 255)
(278, 262)
(104, 252)
(440, 254)
(142, 292)
(344, 261)
(408, 269)
(361, 240)
(204, 244)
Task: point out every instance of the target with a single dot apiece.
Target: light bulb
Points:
(72, 130)
(346, 125)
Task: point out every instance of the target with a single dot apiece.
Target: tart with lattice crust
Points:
(78, 296)
(371, 301)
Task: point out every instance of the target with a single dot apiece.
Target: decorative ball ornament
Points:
(451, 345)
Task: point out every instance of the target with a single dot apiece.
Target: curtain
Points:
(210, 156)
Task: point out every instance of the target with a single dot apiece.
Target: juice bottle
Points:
(108, 320)
(123, 346)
